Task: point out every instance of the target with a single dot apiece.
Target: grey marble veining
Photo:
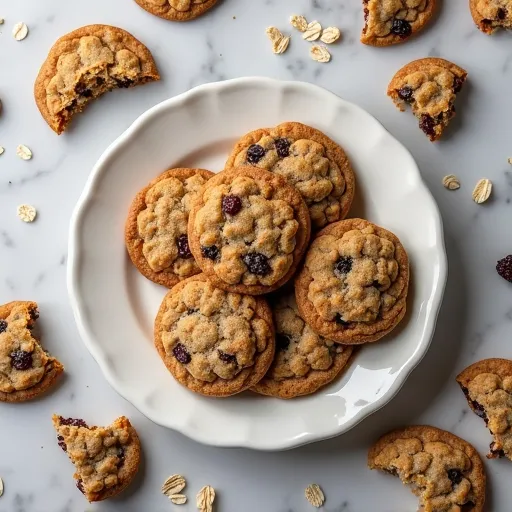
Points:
(476, 317)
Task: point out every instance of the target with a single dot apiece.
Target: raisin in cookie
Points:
(177, 10)
(491, 15)
(309, 160)
(86, 63)
(487, 385)
(156, 229)
(214, 342)
(304, 361)
(430, 87)
(394, 21)
(248, 230)
(353, 286)
(106, 459)
(26, 369)
(444, 471)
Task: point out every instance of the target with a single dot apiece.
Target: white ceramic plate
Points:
(115, 306)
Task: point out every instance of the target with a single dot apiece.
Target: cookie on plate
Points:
(304, 361)
(177, 10)
(26, 369)
(390, 22)
(85, 64)
(444, 471)
(491, 15)
(353, 286)
(430, 86)
(309, 160)
(156, 228)
(214, 342)
(487, 386)
(248, 230)
(106, 459)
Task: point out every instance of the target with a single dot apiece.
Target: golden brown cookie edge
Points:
(171, 14)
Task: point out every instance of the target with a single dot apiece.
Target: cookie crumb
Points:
(2, 150)
(451, 182)
(320, 54)
(20, 31)
(205, 499)
(299, 22)
(27, 213)
(313, 31)
(23, 152)
(1, 481)
(330, 35)
(173, 485)
(483, 190)
(178, 499)
(315, 495)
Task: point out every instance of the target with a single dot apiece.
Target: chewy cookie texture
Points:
(177, 10)
(86, 63)
(491, 15)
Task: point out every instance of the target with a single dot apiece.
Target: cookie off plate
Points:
(115, 306)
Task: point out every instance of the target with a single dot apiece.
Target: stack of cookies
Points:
(270, 289)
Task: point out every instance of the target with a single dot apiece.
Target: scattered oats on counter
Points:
(2, 150)
(1, 21)
(1, 481)
(23, 152)
(279, 41)
(27, 213)
(313, 32)
(178, 499)
(330, 35)
(320, 53)
(451, 182)
(205, 499)
(315, 495)
(299, 22)
(173, 485)
(482, 191)
(510, 161)
(20, 31)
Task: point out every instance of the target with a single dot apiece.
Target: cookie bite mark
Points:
(308, 160)
(156, 229)
(214, 342)
(26, 369)
(353, 286)
(388, 22)
(487, 386)
(491, 15)
(430, 86)
(106, 459)
(177, 10)
(86, 63)
(444, 471)
(248, 230)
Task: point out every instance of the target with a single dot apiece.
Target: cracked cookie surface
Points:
(106, 459)
(444, 471)
(248, 230)
(487, 386)
(156, 229)
(354, 282)
(394, 21)
(304, 361)
(177, 10)
(86, 63)
(491, 15)
(214, 342)
(309, 160)
(26, 369)
(430, 87)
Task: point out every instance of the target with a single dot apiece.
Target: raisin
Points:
(100, 80)
(496, 454)
(34, 313)
(391, 471)
(255, 153)
(504, 268)
(376, 284)
(458, 82)
(343, 265)
(3, 325)
(406, 94)
(72, 422)
(467, 507)
(80, 486)
(257, 263)
(282, 147)
(191, 311)
(477, 408)
(366, 14)
(401, 28)
(181, 354)
(282, 341)
(124, 83)
(501, 14)
(82, 90)
(226, 358)
(121, 456)
(183, 247)
(231, 204)
(427, 125)
(211, 252)
(340, 320)
(455, 476)
(61, 443)
(21, 360)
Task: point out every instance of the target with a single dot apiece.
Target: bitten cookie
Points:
(156, 228)
(394, 21)
(353, 286)
(430, 86)
(487, 386)
(309, 160)
(106, 459)
(304, 361)
(214, 342)
(248, 230)
(491, 15)
(86, 63)
(177, 10)
(26, 369)
(444, 471)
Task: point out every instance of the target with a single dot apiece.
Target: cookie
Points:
(214, 342)
(177, 10)
(309, 160)
(26, 369)
(390, 22)
(491, 15)
(444, 471)
(304, 361)
(156, 228)
(106, 459)
(430, 87)
(353, 286)
(248, 230)
(487, 386)
(86, 63)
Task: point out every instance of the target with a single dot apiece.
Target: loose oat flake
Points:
(27, 213)
(510, 161)
(274, 34)
(178, 499)
(314, 495)
(482, 191)
(313, 32)
(330, 35)
(451, 182)
(1, 150)
(20, 31)
(173, 485)
(1, 487)
(299, 22)
(281, 46)
(1, 21)
(205, 498)
(23, 152)
(320, 54)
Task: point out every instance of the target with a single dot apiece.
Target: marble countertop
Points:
(475, 320)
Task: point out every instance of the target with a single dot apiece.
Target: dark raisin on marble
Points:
(458, 82)
(61, 443)
(282, 341)
(504, 268)
(183, 247)
(455, 476)
(501, 13)
(427, 125)
(343, 265)
(181, 354)
(211, 252)
(83, 91)
(3, 325)
(231, 204)
(339, 320)
(124, 83)
(72, 422)
(257, 263)
(401, 28)
(80, 486)
(405, 93)
(495, 454)
(21, 360)
(227, 358)
(282, 147)
(255, 153)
